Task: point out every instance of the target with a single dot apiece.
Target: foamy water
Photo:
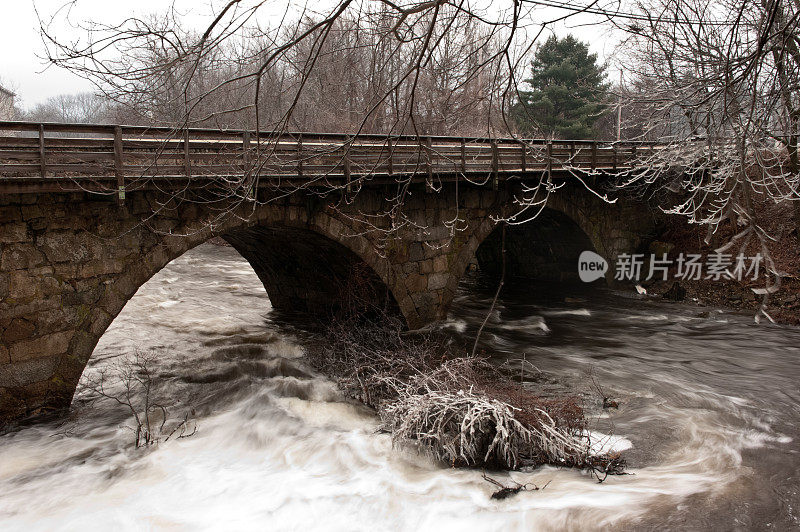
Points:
(278, 447)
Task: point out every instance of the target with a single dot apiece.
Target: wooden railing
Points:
(111, 158)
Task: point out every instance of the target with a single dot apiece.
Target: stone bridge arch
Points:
(70, 261)
(609, 229)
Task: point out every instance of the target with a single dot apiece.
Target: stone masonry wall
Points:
(69, 262)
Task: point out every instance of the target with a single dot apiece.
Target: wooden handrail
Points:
(122, 158)
(197, 132)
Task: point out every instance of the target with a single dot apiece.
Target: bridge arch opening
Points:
(544, 249)
(306, 272)
(302, 270)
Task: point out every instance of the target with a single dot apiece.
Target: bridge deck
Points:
(54, 157)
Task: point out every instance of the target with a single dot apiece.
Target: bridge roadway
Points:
(113, 159)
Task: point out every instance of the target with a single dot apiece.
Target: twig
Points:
(497, 293)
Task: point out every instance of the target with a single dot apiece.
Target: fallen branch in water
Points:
(459, 409)
(507, 491)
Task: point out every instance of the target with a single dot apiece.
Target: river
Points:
(709, 401)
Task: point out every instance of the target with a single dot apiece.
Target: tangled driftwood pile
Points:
(457, 408)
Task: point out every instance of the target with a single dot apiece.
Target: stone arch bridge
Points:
(84, 223)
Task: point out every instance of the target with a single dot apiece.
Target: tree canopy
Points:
(567, 93)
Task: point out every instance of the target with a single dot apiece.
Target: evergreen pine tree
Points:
(567, 93)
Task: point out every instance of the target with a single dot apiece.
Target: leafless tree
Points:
(85, 107)
(131, 383)
(415, 67)
(718, 85)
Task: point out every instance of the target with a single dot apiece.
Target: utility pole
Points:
(619, 108)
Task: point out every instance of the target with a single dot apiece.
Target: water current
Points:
(709, 401)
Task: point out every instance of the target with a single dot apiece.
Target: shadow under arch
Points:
(544, 249)
(306, 272)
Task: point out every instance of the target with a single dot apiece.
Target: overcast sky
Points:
(21, 65)
(22, 68)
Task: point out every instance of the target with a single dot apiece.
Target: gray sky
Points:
(26, 74)
(22, 68)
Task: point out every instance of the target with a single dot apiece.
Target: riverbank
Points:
(678, 237)
(783, 306)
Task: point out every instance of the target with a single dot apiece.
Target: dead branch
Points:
(131, 383)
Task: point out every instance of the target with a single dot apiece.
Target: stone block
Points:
(84, 295)
(100, 267)
(112, 302)
(416, 251)
(440, 263)
(61, 319)
(437, 233)
(416, 282)
(437, 281)
(100, 320)
(44, 346)
(430, 252)
(425, 266)
(66, 270)
(22, 285)
(20, 256)
(17, 309)
(411, 267)
(82, 344)
(17, 374)
(424, 303)
(49, 285)
(18, 329)
(10, 213)
(359, 245)
(14, 232)
(63, 246)
(32, 211)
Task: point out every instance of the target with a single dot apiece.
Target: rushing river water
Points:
(710, 402)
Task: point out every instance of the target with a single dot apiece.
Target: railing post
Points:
(633, 156)
(391, 156)
(347, 172)
(594, 155)
(524, 157)
(495, 164)
(187, 165)
(572, 152)
(246, 151)
(118, 168)
(42, 161)
(549, 159)
(614, 156)
(429, 160)
(463, 156)
(300, 155)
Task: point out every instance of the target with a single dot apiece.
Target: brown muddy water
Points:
(709, 402)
